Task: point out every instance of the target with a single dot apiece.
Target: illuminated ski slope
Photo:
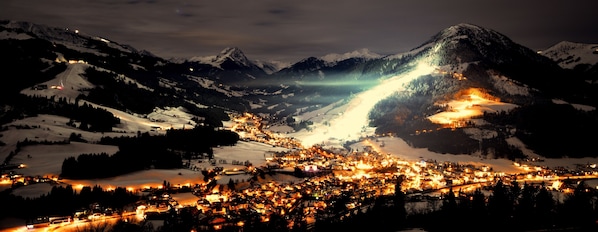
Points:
(353, 122)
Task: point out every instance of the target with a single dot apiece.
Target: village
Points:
(302, 185)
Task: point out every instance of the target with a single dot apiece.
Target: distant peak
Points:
(231, 50)
(474, 33)
(568, 44)
(467, 26)
(463, 29)
(234, 54)
(361, 53)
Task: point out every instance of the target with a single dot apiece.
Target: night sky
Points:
(289, 31)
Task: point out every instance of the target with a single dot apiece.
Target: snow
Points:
(4, 35)
(333, 124)
(205, 60)
(142, 179)
(229, 53)
(209, 84)
(47, 159)
(509, 86)
(361, 53)
(569, 54)
(185, 199)
(271, 66)
(74, 85)
(177, 116)
(576, 106)
(351, 121)
(399, 148)
(469, 106)
(411, 52)
(71, 81)
(514, 141)
(33, 190)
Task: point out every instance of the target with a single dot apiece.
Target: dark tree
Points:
(578, 208)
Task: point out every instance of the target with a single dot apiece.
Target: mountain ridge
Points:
(461, 61)
(570, 54)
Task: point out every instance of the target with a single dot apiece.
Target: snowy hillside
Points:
(569, 54)
(361, 53)
(236, 56)
(69, 37)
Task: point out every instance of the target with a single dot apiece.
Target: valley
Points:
(98, 134)
(311, 177)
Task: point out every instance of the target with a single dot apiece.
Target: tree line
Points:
(147, 151)
(500, 207)
(94, 118)
(64, 200)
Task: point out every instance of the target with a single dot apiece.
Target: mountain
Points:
(328, 65)
(116, 76)
(466, 90)
(485, 88)
(231, 66)
(229, 58)
(361, 53)
(271, 66)
(569, 54)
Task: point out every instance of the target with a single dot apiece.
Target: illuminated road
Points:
(77, 225)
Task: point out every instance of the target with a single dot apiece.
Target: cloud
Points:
(293, 30)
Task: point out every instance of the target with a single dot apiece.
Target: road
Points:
(77, 225)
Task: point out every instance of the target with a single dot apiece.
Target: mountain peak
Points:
(232, 51)
(464, 43)
(473, 33)
(569, 54)
(234, 54)
(361, 53)
(462, 28)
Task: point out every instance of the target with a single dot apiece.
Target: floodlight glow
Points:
(350, 124)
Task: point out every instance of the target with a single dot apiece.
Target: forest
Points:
(147, 151)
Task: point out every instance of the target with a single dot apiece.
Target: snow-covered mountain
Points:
(569, 54)
(226, 57)
(69, 37)
(466, 72)
(231, 58)
(361, 53)
(271, 66)
(115, 75)
(466, 86)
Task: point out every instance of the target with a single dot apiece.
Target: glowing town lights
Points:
(363, 166)
(556, 185)
(384, 163)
